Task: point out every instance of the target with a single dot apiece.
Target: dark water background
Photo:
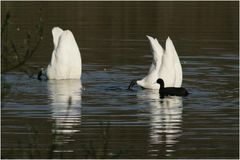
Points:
(105, 120)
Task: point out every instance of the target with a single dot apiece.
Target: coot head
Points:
(161, 82)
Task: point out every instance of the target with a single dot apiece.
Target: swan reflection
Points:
(65, 107)
(165, 121)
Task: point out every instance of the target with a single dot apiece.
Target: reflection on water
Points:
(65, 107)
(165, 121)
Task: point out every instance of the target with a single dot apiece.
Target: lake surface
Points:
(97, 117)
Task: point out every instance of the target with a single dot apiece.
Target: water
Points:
(97, 117)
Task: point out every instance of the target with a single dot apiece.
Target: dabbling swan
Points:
(165, 65)
(171, 91)
(66, 60)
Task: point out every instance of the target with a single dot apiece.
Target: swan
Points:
(171, 91)
(66, 60)
(171, 69)
(165, 65)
